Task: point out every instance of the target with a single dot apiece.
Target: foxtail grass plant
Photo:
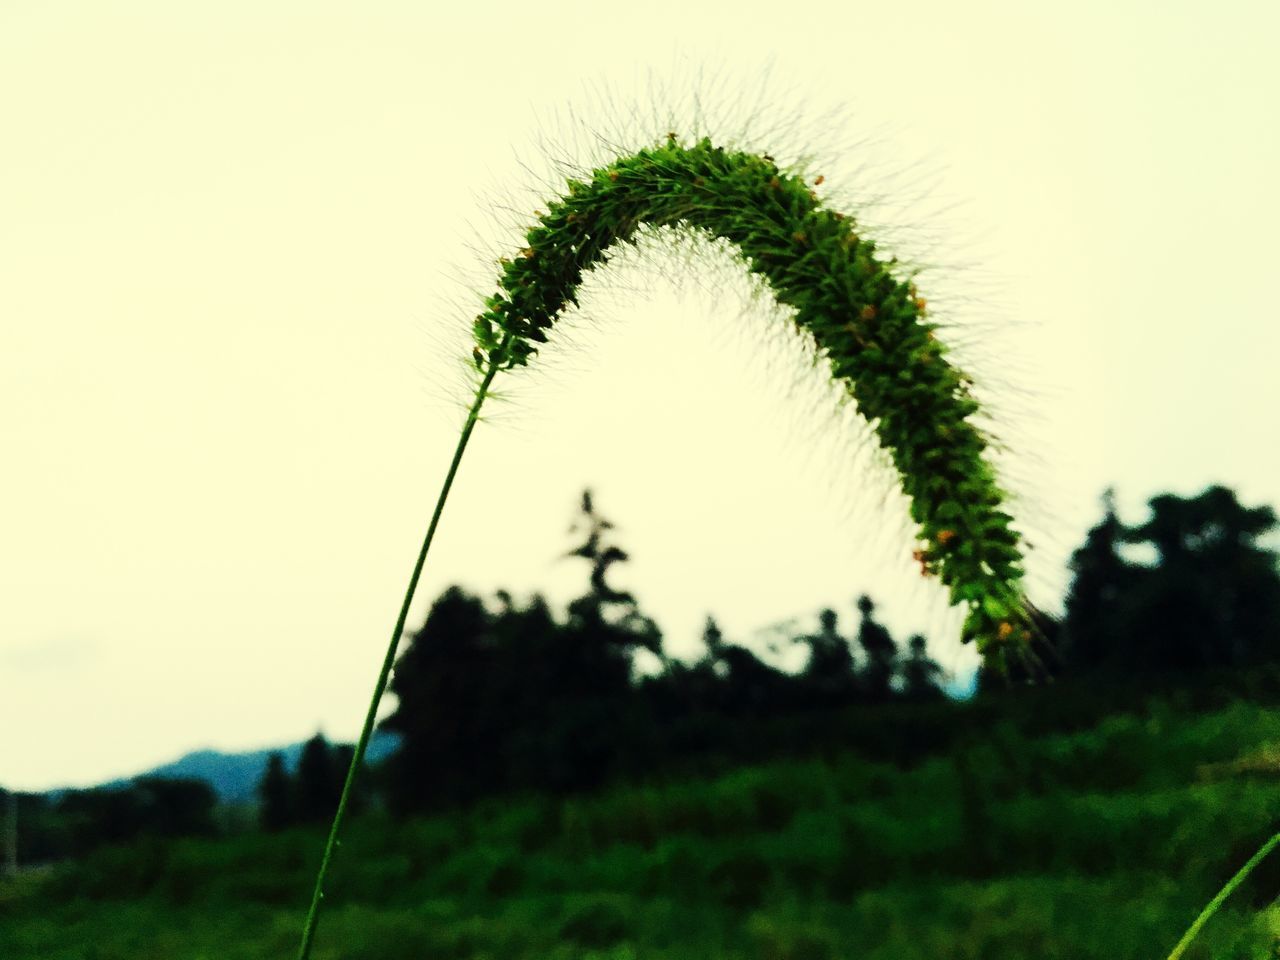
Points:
(864, 316)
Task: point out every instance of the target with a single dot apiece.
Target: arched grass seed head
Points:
(871, 325)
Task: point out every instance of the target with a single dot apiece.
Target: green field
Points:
(1100, 843)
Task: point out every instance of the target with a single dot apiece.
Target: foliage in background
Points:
(309, 795)
(1016, 843)
(71, 824)
(503, 696)
(866, 322)
(498, 700)
(1210, 599)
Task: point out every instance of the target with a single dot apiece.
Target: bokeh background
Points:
(240, 247)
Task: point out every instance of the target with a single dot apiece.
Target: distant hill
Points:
(235, 776)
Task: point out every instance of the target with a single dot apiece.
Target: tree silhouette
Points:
(881, 664)
(572, 729)
(316, 781)
(102, 815)
(712, 639)
(543, 675)
(148, 806)
(601, 555)
(1213, 597)
(683, 690)
(1097, 625)
(515, 699)
(603, 604)
(276, 793)
(443, 684)
(828, 675)
(920, 673)
(177, 806)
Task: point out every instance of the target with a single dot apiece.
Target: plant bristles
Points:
(863, 312)
(856, 308)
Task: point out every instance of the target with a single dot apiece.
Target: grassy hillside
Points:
(1101, 843)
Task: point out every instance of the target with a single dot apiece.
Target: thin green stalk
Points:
(869, 323)
(1225, 892)
(473, 415)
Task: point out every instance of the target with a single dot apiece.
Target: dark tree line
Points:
(74, 823)
(310, 794)
(1210, 598)
(507, 696)
(501, 697)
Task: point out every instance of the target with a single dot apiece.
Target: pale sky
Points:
(241, 245)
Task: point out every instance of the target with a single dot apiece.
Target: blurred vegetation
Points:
(1102, 842)
(550, 799)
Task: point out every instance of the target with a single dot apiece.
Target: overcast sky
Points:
(241, 245)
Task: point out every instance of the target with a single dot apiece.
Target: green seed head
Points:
(868, 323)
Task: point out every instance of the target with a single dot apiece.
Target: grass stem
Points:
(473, 415)
(1225, 892)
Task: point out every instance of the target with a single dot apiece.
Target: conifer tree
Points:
(276, 793)
(1096, 626)
(316, 781)
(603, 605)
(1213, 597)
(443, 684)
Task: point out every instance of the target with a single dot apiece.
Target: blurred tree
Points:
(316, 781)
(750, 687)
(276, 793)
(876, 676)
(602, 603)
(1098, 606)
(1210, 599)
(682, 707)
(43, 836)
(1213, 596)
(10, 832)
(920, 673)
(177, 807)
(543, 673)
(712, 639)
(600, 554)
(149, 806)
(574, 681)
(828, 678)
(443, 685)
(685, 693)
(101, 815)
